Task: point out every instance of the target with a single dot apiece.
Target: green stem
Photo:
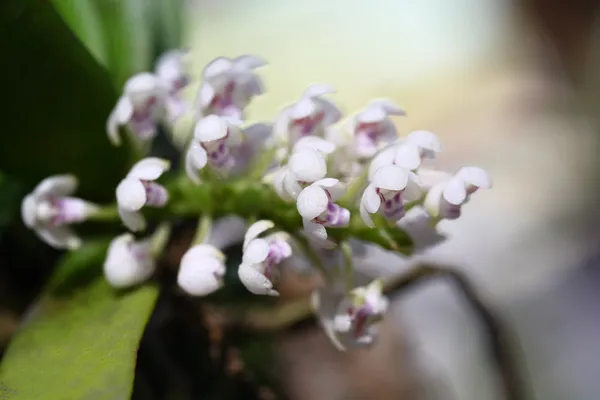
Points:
(203, 230)
(159, 239)
(353, 190)
(105, 213)
(348, 266)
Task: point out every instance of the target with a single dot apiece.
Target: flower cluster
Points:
(324, 170)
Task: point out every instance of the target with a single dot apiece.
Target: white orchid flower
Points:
(171, 70)
(228, 87)
(201, 270)
(389, 189)
(303, 168)
(422, 229)
(49, 209)
(309, 116)
(351, 321)
(316, 204)
(372, 128)
(140, 107)
(445, 199)
(418, 145)
(128, 262)
(258, 270)
(212, 142)
(139, 189)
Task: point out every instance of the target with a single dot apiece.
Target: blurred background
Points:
(511, 86)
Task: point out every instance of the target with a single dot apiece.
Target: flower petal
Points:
(413, 191)
(388, 106)
(335, 188)
(205, 96)
(303, 108)
(256, 229)
(317, 231)
(279, 183)
(255, 282)
(131, 194)
(418, 224)
(430, 177)
(312, 202)
(371, 199)
(307, 165)
(247, 62)
(121, 268)
(408, 156)
(475, 176)
(454, 191)
(56, 186)
(314, 143)
(217, 67)
(425, 140)
(209, 128)
(325, 303)
(318, 90)
(120, 115)
(391, 177)
(255, 251)
(385, 157)
(29, 211)
(371, 115)
(195, 159)
(200, 276)
(226, 231)
(201, 252)
(149, 168)
(332, 113)
(133, 220)
(291, 185)
(60, 237)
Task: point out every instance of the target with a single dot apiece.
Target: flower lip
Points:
(210, 128)
(391, 177)
(131, 194)
(150, 168)
(312, 202)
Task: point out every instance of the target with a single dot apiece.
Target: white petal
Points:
(332, 113)
(426, 140)
(365, 214)
(256, 229)
(335, 188)
(200, 276)
(256, 251)
(391, 177)
(131, 194)
(408, 156)
(371, 115)
(342, 323)
(291, 186)
(209, 128)
(205, 95)
(475, 176)
(314, 143)
(314, 230)
(303, 108)
(385, 157)
(307, 165)
(318, 90)
(195, 159)
(217, 67)
(60, 237)
(413, 191)
(255, 282)
(433, 200)
(429, 177)
(312, 202)
(388, 106)
(133, 220)
(418, 224)
(454, 191)
(120, 115)
(149, 168)
(371, 199)
(56, 186)
(121, 268)
(29, 211)
(248, 62)
(200, 252)
(226, 232)
(280, 185)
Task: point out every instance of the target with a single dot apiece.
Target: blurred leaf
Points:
(60, 98)
(167, 24)
(81, 340)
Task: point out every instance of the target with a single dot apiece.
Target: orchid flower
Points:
(262, 254)
(316, 204)
(128, 262)
(422, 229)
(49, 209)
(139, 189)
(213, 138)
(201, 270)
(228, 87)
(390, 187)
(171, 70)
(140, 107)
(445, 199)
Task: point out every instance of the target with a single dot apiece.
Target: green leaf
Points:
(81, 340)
(60, 98)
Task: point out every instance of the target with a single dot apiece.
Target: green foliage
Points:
(59, 99)
(81, 340)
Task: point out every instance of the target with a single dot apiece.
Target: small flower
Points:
(128, 262)
(213, 138)
(417, 146)
(170, 69)
(445, 199)
(49, 209)
(309, 116)
(229, 86)
(421, 227)
(316, 204)
(390, 187)
(258, 270)
(140, 107)
(372, 129)
(351, 321)
(138, 189)
(201, 270)
(304, 167)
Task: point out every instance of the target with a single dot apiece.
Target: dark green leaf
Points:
(60, 97)
(81, 339)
